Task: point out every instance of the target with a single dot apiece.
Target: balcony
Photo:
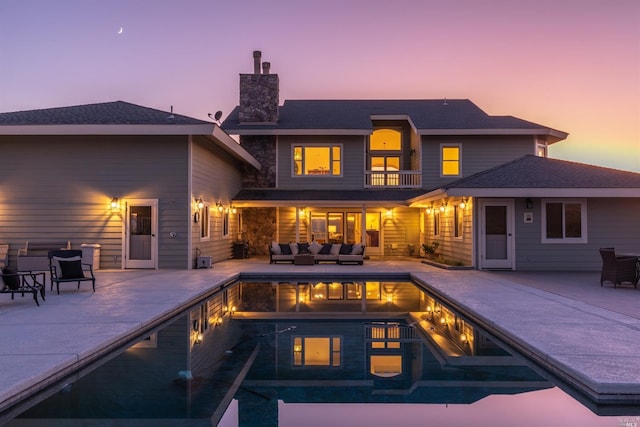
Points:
(392, 179)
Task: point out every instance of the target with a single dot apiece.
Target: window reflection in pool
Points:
(315, 354)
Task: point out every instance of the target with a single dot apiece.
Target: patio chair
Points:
(618, 270)
(66, 266)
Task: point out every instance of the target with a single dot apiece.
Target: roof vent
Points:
(171, 116)
(444, 102)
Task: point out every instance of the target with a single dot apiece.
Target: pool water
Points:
(294, 354)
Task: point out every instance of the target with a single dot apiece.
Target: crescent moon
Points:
(120, 30)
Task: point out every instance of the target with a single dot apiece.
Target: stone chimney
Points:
(259, 93)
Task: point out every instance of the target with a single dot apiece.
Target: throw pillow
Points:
(294, 248)
(11, 281)
(285, 249)
(303, 248)
(357, 249)
(314, 248)
(275, 248)
(70, 268)
(326, 249)
(346, 249)
(335, 248)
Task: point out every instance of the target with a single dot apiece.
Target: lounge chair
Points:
(617, 269)
(66, 266)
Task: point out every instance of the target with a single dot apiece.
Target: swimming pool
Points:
(314, 353)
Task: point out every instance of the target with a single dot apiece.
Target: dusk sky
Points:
(573, 65)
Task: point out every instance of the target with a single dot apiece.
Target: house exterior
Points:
(152, 188)
(397, 174)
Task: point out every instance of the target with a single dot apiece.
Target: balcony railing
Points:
(393, 179)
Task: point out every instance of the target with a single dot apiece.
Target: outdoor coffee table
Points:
(303, 259)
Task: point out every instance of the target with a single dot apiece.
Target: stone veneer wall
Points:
(259, 98)
(259, 229)
(263, 148)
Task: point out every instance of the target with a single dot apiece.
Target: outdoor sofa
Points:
(340, 253)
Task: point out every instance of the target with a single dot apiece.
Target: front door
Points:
(496, 234)
(141, 243)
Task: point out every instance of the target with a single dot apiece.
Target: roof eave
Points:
(321, 132)
(543, 192)
(231, 146)
(108, 129)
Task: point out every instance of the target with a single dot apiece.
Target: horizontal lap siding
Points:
(401, 229)
(216, 178)
(59, 188)
(352, 164)
(612, 222)
(456, 249)
(479, 153)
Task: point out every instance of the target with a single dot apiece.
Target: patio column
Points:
(297, 225)
(363, 225)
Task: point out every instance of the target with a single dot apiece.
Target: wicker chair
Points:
(618, 270)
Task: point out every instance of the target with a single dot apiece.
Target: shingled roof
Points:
(107, 113)
(428, 116)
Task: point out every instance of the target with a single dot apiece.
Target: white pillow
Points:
(314, 248)
(335, 249)
(357, 249)
(275, 248)
(294, 248)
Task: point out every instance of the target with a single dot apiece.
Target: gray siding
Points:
(454, 249)
(216, 178)
(478, 153)
(352, 164)
(611, 223)
(59, 188)
(402, 230)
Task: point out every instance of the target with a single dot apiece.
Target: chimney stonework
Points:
(259, 93)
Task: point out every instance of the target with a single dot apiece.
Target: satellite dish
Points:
(218, 115)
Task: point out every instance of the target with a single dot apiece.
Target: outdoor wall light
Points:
(234, 210)
(463, 338)
(443, 207)
(199, 203)
(219, 206)
(429, 209)
(443, 321)
(463, 203)
(389, 213)
(115, 204)
(529, 203)
(389, 298)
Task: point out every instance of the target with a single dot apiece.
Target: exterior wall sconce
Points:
(389, 298)
(529, 203)
(463, 203)
(234, 210)
(389, 213)
(429, 209)
(443, 207)
(412, 152)
(219, 206)
(115, 204)
(199, 203)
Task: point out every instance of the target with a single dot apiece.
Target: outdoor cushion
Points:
(346, 249)
(357, 249)
(294, 248)
(314, 248)
(285, 249)
(303, 248)
(11, 282)
(70, 268)
(275, 248)
(326, 249)
(335, 248)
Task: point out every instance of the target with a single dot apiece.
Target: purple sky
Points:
(573, 65)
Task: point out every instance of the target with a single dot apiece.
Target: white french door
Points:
(141, 242)
(496, 234)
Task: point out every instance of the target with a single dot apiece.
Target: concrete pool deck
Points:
(591, 334)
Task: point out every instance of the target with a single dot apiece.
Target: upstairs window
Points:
(564, 221)
(450, 155)
(315, 160)
(385, 140)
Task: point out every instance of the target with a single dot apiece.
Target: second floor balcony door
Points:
(383, 168)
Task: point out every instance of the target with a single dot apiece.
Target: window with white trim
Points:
(450, 156)
(564, 221)
(458, 220)
(317, 160)
(205, 222)
(317, 351)
(225, 223)
(436, 222)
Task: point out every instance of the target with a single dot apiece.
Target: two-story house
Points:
(397, 174)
